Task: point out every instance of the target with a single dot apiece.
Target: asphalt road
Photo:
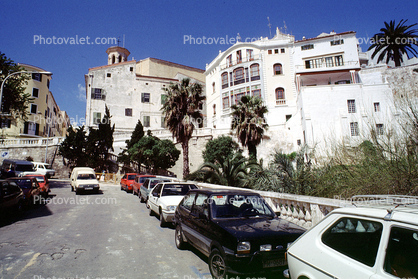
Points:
(105, 235)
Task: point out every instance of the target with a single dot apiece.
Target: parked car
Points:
(165, 197)
(138, 181)
(84, 179)
(43, 183)
(11, 197)
(15, 168)
(126, 181)
(377, 238)
(44, 169)
(236, 229)
(30, 188)
(147, 186)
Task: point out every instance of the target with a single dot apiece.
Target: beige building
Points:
(44, 115)
(132, 90)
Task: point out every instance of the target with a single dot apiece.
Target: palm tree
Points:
(393, 41)
(249, 123)
(181, 109)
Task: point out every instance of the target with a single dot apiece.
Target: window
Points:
(255, 72)
(98, 94)
(108, 75)
(276, 51)
(6, 123)
(337, 42)
(401, 253)
(147, 121)
(200, 205)
(97, 117)
(314, 63)
(47, 83)
(31, 128)
(351, 104)
(270, 51)
(379, 129)
(224, 80)
(225, 101)
(239, 76)
(188, 201)
(163, 98)
(131, 69)
(280, 97)
(213, 87)
(282, 50)
(37, 76)
(376, 107)
(145, 97)
(306, 47)
(257, 93)
(33, 108)
(214, 109)
(339, 60)
(229, 60)
(239, 57)
(35, 92)
(250, 55)
(277, 68)
(128, 112)
(356, 238)
(329, 61)
(354, 129)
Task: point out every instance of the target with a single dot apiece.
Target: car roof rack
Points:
(388, 202)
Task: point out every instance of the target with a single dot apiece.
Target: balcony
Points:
(321, 67)
(238, 62)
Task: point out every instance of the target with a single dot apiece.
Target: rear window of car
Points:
(131, 177)
(177, 189)
(356, 238)
(402, 253)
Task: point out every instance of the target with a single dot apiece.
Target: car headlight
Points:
(265, 247)
(171, 208)
(243, 247)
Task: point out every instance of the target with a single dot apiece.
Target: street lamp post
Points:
(15, 73)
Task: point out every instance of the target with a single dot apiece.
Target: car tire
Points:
(151, 213)
(179, 238)
(217, 265)
(163, 223)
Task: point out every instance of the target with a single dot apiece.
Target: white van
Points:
(84, 179)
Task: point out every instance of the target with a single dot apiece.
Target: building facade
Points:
(132, 90)
(318, 90)
(44, 115)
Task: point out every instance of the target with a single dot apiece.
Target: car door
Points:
(183, 215)
(199, 222)
(9, 194)
(123, 181)
(154, 196)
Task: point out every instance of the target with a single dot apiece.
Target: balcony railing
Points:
(323, 66)
(281, 102)
(243, 60)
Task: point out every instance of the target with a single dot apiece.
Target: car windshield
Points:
(85, 176)
(176, 189)
(24, 183)
(131, 177)
(229, 206)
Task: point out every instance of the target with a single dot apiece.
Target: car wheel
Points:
(217, 266)
(163, 223)
(151, 213)
(179, 239)
(77, 191)
(121, 188)
(72, 189)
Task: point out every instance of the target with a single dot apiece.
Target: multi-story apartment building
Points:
(132, 89)
(316, 90)
(44, 115)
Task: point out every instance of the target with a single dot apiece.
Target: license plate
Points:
(88, 188)
(274, 263)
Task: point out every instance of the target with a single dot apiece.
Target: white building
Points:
(132, 90)
(317, 90)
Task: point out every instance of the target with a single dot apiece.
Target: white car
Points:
(43, 168)
(165, 197)
(377, 238)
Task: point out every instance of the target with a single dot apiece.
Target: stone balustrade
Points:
(304, 211)
(31, 141)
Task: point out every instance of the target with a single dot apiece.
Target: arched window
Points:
(113, 59)
(239, 76)
(280, 96)
(277, 68)
(255, 72)
(224, 80)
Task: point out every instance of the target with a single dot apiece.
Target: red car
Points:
(127, 181)
(30, 188)
(43, 183)
(139, 180)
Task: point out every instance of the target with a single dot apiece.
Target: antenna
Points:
(118, 40)
(123, 40)
(285, 27)
(269, 25)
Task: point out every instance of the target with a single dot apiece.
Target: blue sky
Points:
(158, 28)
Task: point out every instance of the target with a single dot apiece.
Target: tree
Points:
(126, 156)
(14, 99)
(99, 142)
(394, 41)
(249, 123)
(181, 111)
(73, 147)
(220, 149)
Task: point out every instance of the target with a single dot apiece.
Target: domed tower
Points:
(117, 54)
